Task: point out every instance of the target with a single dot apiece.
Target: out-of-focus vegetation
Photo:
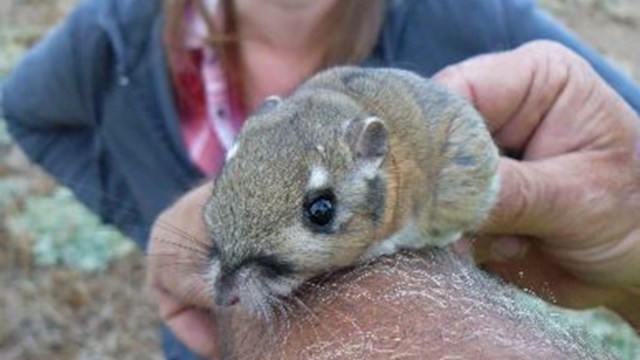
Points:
(59, 229)
(72, 288)
(22, 22)
(5, 139)
(13, 42)
(64, 233)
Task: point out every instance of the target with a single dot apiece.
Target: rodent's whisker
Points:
(178, 248)
(195, 249)
(196, 265)
(198, 292)
(177, 255)
(183, 268)
(283, 311)
(176, 230)
(166, 259)
(306, 309)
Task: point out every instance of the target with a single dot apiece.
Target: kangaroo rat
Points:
(355, 164)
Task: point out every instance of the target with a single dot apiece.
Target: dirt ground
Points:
(56, 313)
(612, 26)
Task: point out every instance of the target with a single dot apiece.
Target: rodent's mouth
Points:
(266, 297)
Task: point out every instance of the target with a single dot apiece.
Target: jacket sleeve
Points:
(48, 103)
(526, 22)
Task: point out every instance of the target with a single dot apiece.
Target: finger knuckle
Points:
(521, 197)
(549, 48)
(552, 53)
(514, 201)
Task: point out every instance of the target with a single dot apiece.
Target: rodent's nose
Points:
(227, 300)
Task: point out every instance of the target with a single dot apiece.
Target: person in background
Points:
(131, 104)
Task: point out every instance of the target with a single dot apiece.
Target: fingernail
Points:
(508, 249)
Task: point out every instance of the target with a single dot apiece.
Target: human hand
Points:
(177, 260)
(566, 224)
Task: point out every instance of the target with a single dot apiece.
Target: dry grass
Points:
(58, 314)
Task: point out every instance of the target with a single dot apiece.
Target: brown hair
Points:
(355, 31)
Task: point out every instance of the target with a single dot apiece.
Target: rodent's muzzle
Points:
(247, 273)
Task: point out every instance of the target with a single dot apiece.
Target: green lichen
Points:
(63, 232)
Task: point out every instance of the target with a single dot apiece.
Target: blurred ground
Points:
(612, 26)
(55, 313)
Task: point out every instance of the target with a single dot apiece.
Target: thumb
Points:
(532, 197)
(179, 247)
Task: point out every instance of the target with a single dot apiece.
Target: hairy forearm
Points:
(408, 307)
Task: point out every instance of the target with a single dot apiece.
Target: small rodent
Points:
(355, 164)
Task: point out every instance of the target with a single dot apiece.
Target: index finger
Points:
(512, 90)
(530, 99)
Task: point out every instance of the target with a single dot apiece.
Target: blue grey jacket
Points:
(92, 102)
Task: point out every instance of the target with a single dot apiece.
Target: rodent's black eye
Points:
(320, 210)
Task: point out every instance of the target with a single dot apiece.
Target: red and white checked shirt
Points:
(209, 119)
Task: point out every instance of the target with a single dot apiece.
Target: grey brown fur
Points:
(410, 164)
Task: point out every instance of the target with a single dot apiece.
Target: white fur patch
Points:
(370, 119)
(232, 152)
(319, 178)
(369, 170)
(444, 238)
(406, 238)
(212, 273)
(274, 98)
(409, 237)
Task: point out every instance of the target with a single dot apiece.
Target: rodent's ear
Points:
(270, 103)
(368, 139)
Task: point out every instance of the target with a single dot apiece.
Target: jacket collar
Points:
(126, 24)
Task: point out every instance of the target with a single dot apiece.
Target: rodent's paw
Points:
(468, 183)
